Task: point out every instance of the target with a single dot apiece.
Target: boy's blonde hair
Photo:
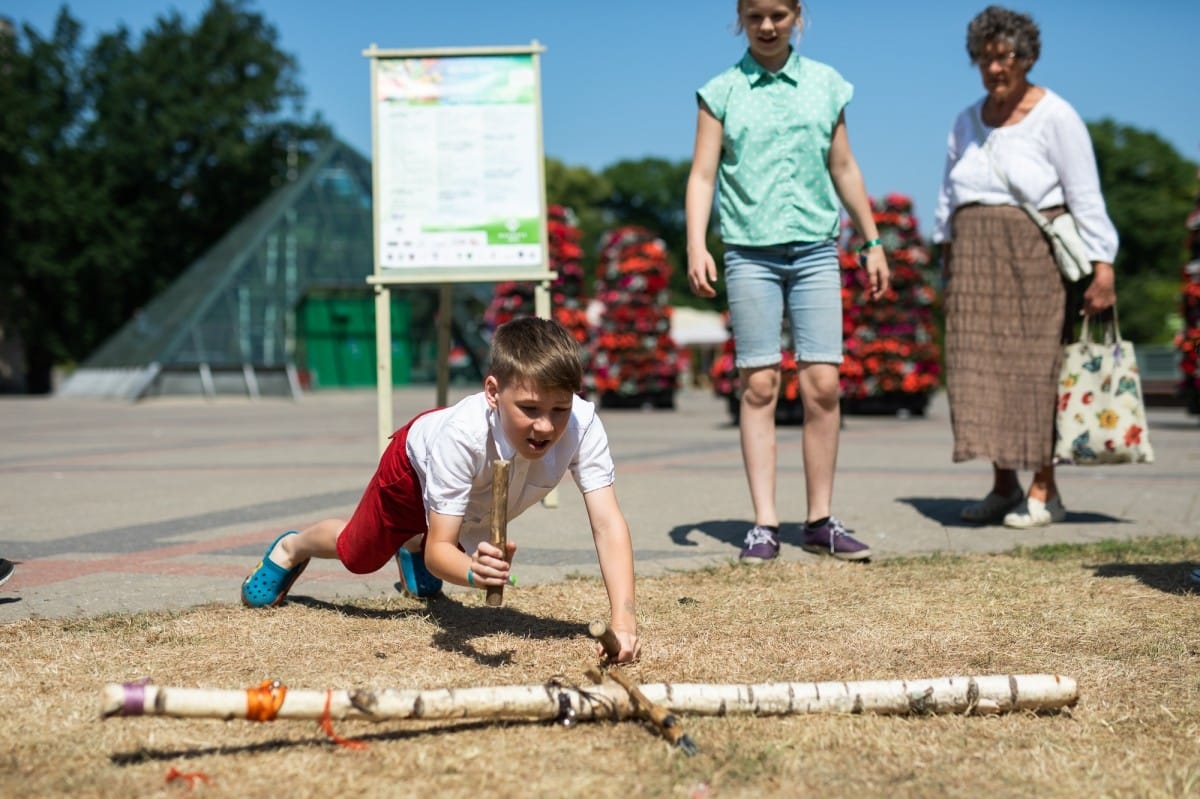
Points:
(538, 351)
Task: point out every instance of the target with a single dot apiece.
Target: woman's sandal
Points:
(269, 583)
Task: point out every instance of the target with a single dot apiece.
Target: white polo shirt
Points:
(453, 450)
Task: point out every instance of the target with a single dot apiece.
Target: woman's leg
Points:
(1005, 482)
(760, 392)
(1042, 487)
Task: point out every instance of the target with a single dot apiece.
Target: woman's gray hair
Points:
(998, 24)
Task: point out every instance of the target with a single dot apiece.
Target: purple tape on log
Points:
(135, 698)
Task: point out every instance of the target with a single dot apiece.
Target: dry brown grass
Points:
(1118, 618)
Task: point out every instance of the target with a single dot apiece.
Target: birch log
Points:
(1002, 693)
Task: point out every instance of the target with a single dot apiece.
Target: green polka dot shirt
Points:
(773, 181)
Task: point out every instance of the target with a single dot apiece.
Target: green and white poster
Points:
(458, 165)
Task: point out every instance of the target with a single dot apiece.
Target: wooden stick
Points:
(495, 593)
(978, 695)
(661, 718)
(607, 638)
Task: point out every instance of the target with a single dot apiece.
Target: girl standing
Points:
(771, 132)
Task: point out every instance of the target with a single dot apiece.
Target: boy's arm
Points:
(445, 560)
(614, 548)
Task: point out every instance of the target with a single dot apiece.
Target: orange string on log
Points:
(263, 702)
(191, 777)
(327, 726)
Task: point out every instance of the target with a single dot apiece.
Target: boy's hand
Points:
(489, 566)
(631, 647)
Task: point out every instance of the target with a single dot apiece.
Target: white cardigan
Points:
(1048, 159)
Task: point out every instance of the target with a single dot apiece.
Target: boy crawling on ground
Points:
(429, 503)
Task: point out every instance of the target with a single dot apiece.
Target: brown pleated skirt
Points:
(1005, 306)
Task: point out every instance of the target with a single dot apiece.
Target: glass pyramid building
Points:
(281, 304)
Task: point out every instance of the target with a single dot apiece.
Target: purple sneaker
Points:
(761, 545)
(832, 538)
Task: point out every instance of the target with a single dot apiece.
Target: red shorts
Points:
(390, 512)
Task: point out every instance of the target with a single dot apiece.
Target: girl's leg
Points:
(760, 392)
(815, 312)
(317, 541)
(820, 389)
(754, 284)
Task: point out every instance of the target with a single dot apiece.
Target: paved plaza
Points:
(168, 503)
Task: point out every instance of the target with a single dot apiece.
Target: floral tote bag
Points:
(1101, 415)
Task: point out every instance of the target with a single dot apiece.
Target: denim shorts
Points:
(805, 280)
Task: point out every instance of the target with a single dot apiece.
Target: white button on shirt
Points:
(453, 451)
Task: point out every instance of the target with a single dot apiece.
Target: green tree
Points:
(584, 192)
(1148, 187)
(650, 192)
(131, 159)
(43, 190)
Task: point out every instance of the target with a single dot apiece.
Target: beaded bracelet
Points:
(862, 251)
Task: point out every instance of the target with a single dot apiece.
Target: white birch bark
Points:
(1003, 693)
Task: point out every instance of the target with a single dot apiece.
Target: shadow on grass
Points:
(148, 755)
(1170, 578)
(459, 624)
(947, 511)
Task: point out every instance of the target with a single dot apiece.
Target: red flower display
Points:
(1188, 339)
(633, 360)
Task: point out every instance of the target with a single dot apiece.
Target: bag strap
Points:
(1112, 329)
(1039, 219)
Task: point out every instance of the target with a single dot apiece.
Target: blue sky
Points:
(619, 76)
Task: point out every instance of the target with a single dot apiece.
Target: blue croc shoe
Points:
(269, 583)
(416, 580)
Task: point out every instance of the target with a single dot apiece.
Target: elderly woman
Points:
(1006, 303)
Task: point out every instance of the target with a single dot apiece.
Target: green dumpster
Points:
(337, 340)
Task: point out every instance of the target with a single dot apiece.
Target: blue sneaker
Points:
(761, 545)
(832, 538)
(415, 579)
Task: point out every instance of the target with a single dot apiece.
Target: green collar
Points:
(755, 73)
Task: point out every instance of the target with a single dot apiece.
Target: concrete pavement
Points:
(115, 507)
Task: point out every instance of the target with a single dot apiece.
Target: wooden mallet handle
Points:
(607, 638)
(495, 593)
